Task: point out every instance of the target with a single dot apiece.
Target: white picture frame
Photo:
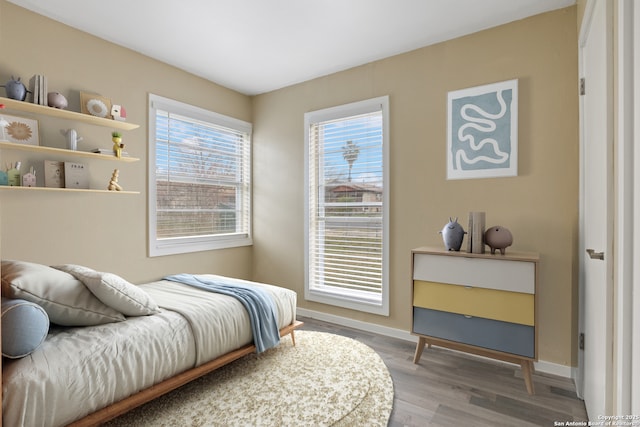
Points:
(482, 131)
(19, 130)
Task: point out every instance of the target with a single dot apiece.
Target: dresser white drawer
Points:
(505, 275)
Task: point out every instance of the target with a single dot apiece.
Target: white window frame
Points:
(179, 245)
(336, 296)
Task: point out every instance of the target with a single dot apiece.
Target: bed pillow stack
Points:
(67, 295)
(67, 301)
(113, 290)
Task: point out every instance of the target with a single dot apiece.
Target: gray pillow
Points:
(113, 290)
(24, 327)
(66, 299)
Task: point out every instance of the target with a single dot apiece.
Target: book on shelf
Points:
(53, 174)
(38, 89)
(76, 175)
(44, 91)
(34, 88)
(475, 233)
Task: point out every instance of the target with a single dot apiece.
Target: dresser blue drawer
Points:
(492, 334)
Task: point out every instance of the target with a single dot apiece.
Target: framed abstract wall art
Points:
(482, 131)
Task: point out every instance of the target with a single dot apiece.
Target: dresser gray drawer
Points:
(491, 334)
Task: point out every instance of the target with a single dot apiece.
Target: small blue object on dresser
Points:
(25, 325)
(4, 180)
(452, 235)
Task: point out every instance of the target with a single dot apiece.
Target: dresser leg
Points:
(419, 347)
(527, 369)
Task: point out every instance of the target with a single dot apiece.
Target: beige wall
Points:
(581, 6)
(105, 231)
(540, 206)
(109, 232)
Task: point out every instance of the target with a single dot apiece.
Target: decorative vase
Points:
(16, 89)
(498, 237)
(72, 138)
(452, 235)
(57, 100)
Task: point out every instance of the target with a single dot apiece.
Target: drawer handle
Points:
(468, 317)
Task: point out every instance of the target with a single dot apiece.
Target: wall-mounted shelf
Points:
(76, 190)
(12, 104)
(63, 151)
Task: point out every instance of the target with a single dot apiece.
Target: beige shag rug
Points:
(325, 380)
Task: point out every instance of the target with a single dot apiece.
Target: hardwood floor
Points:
(454, 389)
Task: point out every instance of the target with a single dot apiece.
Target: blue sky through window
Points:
(192, 151)
(365, 132)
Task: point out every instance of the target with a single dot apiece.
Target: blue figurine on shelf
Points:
(452, 235)
(15, 89)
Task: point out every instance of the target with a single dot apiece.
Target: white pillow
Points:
(113, 290)
(66, 300)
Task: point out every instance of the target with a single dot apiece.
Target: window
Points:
(199, 179)
(347, 193)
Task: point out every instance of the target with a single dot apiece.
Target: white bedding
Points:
(220, 323)
(80, 370)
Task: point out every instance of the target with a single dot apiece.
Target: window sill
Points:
(174, 247)
(347, 300)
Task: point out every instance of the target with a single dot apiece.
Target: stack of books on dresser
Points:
(475, 233)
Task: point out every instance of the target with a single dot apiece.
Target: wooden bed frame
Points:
(116, 409)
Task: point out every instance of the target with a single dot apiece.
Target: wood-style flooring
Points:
(448, 388)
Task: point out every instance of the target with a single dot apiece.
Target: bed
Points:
(95, 362)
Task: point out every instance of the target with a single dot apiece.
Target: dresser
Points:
(477, 303)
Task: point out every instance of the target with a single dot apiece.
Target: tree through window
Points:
(200, 185)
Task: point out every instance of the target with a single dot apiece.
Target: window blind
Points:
(202, 178)
(346, 188)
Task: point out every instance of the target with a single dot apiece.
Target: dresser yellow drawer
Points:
(514, 307)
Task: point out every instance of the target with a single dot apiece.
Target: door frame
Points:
(631, 31)
(626, 274)
(610, 256)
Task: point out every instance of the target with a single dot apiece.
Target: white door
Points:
(596, 229)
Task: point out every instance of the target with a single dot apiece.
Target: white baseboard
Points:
(540, 366)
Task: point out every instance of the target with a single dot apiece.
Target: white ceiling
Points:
(256, 46)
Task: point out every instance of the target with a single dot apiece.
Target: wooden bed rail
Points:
(125, 405)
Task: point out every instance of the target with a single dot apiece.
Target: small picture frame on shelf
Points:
(53, 174)
(19, 130)
(95, 105)
(76, 175)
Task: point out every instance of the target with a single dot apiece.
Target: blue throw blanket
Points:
(259, 305)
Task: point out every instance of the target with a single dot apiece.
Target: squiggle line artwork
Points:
(482, 131)
(486, 122)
